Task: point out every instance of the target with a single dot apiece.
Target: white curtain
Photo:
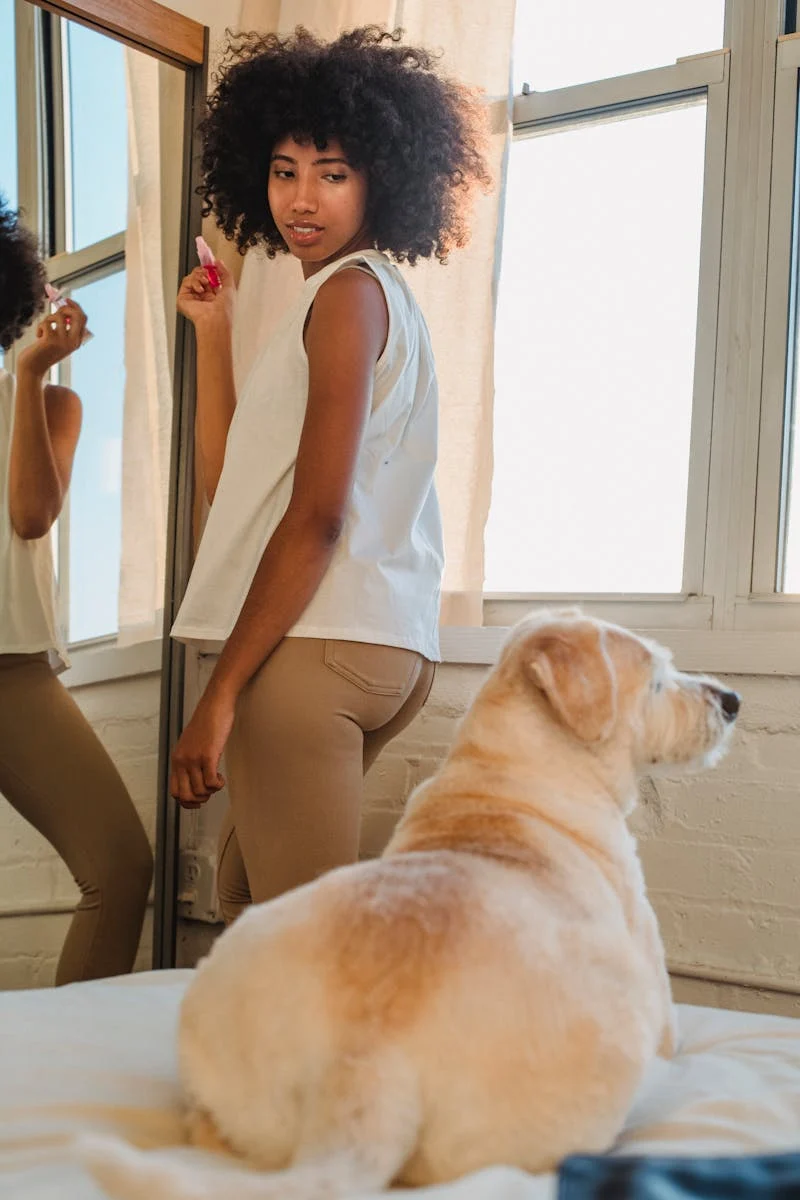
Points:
(155, 94)
(155, 128)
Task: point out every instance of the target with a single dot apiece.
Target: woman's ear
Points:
(571, 666)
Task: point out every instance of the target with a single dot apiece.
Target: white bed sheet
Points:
(100, 1057)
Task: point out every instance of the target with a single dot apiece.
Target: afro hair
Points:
(418, 136)
(22, 277)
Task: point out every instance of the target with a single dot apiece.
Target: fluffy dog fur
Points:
(491, 989)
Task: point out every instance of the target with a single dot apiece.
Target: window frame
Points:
(780, 316)
(720, 621)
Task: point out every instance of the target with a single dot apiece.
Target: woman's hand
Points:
(194, 774)
(204, 305)
(57, 336)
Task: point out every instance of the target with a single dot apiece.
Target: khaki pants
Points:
(308, 726)
(57, 775)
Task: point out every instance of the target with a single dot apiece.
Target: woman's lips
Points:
(304, 235)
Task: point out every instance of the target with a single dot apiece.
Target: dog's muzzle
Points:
(729, 702)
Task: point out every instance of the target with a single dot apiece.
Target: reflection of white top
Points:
(384, 579)
(27, 591)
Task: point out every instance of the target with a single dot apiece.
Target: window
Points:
(563, 42)
(73, 129)
(96, 143)
(778, 560)
(605, 263)
(95, 513)
(8, 106)
(647, 328)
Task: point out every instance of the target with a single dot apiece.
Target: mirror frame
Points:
(162, 33)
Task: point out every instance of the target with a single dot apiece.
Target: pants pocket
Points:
(380, 670)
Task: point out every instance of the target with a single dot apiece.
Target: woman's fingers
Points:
(212, 780)
(196, 283)
(193, 782)
(63, 329)
(182, 788)
(74, 322)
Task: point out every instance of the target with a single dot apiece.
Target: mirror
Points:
(100, 103)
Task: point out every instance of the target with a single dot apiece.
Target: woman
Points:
(319, 571)
(53, 769)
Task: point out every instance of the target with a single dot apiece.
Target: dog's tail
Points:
(355, 1140)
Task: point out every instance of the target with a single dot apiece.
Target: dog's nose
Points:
(730, 702)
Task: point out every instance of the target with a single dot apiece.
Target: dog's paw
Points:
(668, 1046)
(119, 1168)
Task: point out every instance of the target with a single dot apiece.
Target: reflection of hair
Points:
(22, 277)
(419, 136)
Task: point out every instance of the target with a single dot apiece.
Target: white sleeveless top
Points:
(384, 580)
(27, 582)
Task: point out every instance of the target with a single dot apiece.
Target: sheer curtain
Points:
(155, 133)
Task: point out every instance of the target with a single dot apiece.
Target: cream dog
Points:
(491, 989)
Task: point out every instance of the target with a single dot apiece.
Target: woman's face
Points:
(318, 202)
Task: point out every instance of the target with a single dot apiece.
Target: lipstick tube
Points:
(58, 301)
(207, 260)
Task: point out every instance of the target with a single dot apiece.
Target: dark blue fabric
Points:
(769, 1176)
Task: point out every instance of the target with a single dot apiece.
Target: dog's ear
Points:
(571, 666)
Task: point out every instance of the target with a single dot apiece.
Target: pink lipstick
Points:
(207, 260)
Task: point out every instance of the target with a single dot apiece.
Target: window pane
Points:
(595, 357)
(8, 105)
(791, 549)
(97, 132)
(97, 373)
(561, 42)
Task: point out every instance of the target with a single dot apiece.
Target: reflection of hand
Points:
(57, 336)
(204, 305)
(194, 774)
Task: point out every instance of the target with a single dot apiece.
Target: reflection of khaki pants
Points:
(56, 774)
(308, 726)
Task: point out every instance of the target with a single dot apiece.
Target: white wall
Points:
(37, 893)
(721, 851)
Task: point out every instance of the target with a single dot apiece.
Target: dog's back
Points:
(448, 981)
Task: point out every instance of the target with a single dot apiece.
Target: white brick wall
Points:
(721, 851)
(36, 889)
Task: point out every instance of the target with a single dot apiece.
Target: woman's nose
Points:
(304, 199)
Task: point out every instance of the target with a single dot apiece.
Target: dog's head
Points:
(610, 689)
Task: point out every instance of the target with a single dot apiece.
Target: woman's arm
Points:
(216, 401)
(211, 313)
(47, 424)
(346, 333)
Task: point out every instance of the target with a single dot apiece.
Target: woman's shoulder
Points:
(375, 266)
(350, 304)
(352, 279)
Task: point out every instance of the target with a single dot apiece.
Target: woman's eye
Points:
(282, 173)
(335, 178)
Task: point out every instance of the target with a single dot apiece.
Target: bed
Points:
(100, 1057)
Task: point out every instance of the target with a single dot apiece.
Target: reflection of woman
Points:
(53, 769)
(320, 565)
